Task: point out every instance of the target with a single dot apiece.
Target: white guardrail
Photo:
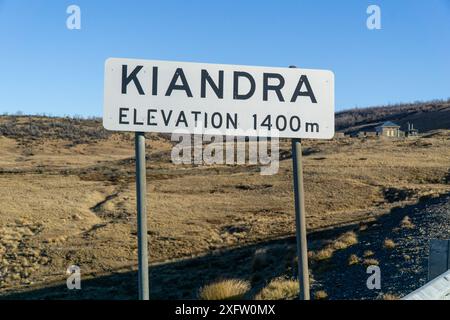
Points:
(436, 289)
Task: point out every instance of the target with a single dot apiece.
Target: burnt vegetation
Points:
(30, 128)
(426, 116)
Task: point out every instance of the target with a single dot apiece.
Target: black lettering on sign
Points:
(181, 118)
(135, 118)
(236, 94)
(213, 85)
(179, 73)
(195, 113)
(312, 127)
(122, 115)
(277, 88)
(231, 121)
(216, 120)
(155, 81)
(309, 93)
(150, 117)
(132, 77)
(166, 120)
(218, 89)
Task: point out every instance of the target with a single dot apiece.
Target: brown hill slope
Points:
(67, 195)
(425, 116)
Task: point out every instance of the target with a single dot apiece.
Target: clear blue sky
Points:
(46, 68)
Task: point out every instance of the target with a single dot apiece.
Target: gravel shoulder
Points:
(403, 262)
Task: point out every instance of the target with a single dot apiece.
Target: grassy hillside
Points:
(68, 196)
(425, 116)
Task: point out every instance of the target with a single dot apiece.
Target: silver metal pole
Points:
(300, 218)
(300, 221)
(141, 216)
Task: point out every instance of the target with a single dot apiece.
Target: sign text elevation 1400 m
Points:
(184, 97)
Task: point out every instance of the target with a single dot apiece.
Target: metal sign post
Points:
(300, 221)
(141, 216)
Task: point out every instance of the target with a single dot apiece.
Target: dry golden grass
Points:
(371, 262)
(323, 254)
(406, 223)
(390, 296)
(342, 242)
(368, 253)
(389, 244)
(363, 227)
(194, 209)
(353, 259)
(320, 295)
(229, 289)
(346, 240)
(279, 289)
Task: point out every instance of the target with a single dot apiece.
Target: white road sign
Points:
(185, 97)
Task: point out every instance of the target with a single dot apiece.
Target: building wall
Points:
(390, 132)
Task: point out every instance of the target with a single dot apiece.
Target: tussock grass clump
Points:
(323, 254)
(279, 289)
(346, 240)
(349, 238)
(368, 253)
(342, 242)
(353, 259)
(371, 262)
(406, 223)
(320, 295)
(390, 296)
(339, 245)
(389, 244)
(229, 289)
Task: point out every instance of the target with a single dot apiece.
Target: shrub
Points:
(279, 289)
(323, 254)
(320, 295)
(390, 296)
(353, 259)
(371, 262)
(346, 240)
(389, 244)
(406, 223)
(368, 253)
(229, 289)
(342, 242)
(363, 227)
